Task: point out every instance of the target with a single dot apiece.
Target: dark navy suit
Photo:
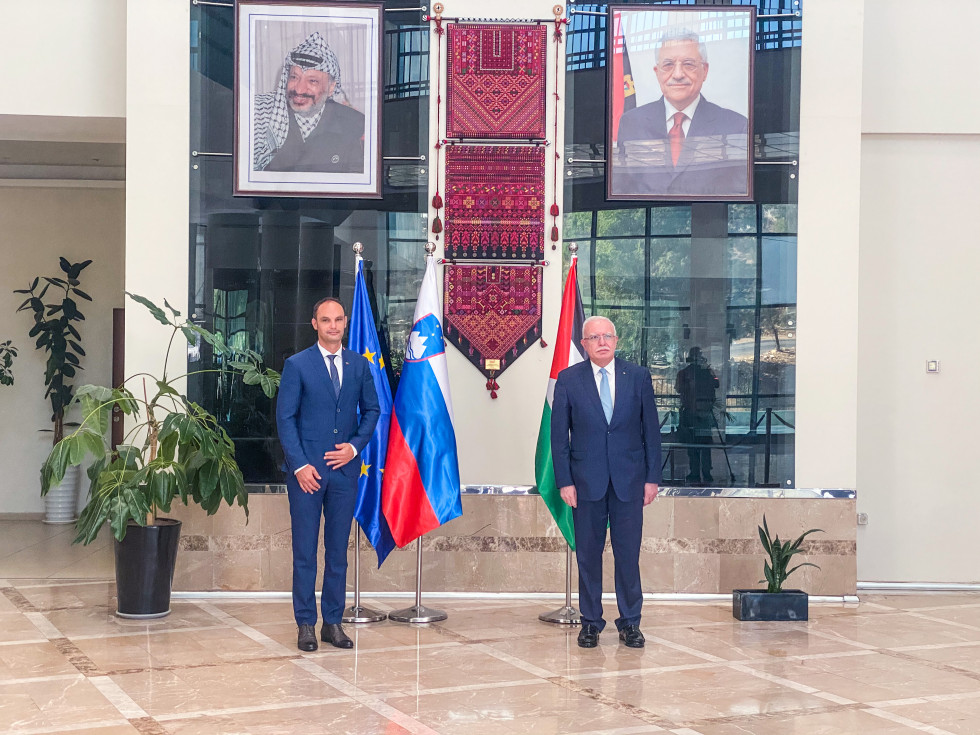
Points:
(311, 420)
(712, 159)
(608, 463)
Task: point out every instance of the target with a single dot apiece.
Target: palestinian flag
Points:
(568, 351)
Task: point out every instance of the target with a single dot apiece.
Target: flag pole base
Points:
(565, 615)
(417, 614)
(360, 614)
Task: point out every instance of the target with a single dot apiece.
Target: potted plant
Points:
(173, 449)
(55, 309)
(775, 603)
(7, 354)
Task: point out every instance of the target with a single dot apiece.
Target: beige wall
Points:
(37, 225)
(157, 165)
(64, 58)
(918, 266)
(827, 277)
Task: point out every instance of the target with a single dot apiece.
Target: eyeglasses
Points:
(596, 337)
(688, 65)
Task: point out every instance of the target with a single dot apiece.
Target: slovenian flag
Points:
(421, 484)
(363, 338)
(568, 352)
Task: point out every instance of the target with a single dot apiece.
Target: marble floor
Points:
(895, 663)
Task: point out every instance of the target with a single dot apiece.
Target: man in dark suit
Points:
(605, 444)
(320, 393)
(682, 144)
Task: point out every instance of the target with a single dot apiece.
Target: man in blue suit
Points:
(681, 144)
(605, 444)
(321, 391)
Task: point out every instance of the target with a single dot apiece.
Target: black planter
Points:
(145, 561)
(762, 605)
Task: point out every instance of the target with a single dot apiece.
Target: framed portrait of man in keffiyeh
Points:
(308, 81)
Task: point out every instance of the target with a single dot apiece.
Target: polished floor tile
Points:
(894, 663)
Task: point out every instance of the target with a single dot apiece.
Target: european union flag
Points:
(364, 339)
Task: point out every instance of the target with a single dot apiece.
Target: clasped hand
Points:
(309, 479)
(570, 496)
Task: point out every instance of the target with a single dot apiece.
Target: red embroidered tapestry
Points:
(496, 81)
(492, 312)
(494, 202)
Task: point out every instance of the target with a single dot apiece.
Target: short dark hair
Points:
(318, 304)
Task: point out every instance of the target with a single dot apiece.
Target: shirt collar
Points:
(325, 352)
(688, 111)
(610, 368)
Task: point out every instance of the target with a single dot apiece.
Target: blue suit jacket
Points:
(712, 161)
(311, 420)
(590, 453)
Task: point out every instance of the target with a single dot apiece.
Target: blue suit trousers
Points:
(335, 501)
(625, 522)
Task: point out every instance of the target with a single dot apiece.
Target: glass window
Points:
(703, 294)
(259, 264)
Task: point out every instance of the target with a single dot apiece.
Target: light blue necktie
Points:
(334, 377)
(605, 396)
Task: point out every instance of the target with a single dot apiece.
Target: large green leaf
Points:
(91, 519)
(119, 515)
(172, 309)
(155, 310)
(53, 469)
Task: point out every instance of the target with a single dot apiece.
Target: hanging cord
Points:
(437, 198)
(555, 211)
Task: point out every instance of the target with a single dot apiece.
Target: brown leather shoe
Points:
(333, 633)
(306, 640)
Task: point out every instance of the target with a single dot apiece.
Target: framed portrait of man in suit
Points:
(679, 108)
(308, 86)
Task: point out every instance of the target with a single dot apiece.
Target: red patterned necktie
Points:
(676, 137)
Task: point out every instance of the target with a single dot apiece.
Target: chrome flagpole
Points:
(355, 613)
(566, 615)
(418, 613)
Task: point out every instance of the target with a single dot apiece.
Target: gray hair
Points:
(676, 35)
(597, 318)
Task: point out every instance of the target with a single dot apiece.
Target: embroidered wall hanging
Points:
(494, 202)
(493, 313)
(496, 81)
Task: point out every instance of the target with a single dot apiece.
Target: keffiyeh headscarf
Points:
(272, 109)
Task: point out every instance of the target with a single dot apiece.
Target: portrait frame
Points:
(714, 159)
(290, 139)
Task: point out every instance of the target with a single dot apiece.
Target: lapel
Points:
(347, 381)
(624, 387)
(321, 371)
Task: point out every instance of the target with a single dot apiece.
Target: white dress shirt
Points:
(610, 376)
(339, 362)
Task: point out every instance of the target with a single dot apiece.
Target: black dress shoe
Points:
(333, 633)
(588, 637)
(631, 636)
(306, 641)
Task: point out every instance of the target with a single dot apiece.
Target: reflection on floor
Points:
(893, 664)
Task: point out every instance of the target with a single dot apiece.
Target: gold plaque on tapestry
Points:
(491, 364)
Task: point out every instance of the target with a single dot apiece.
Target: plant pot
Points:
(145, 561)
(762, 605)
(61, 501)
